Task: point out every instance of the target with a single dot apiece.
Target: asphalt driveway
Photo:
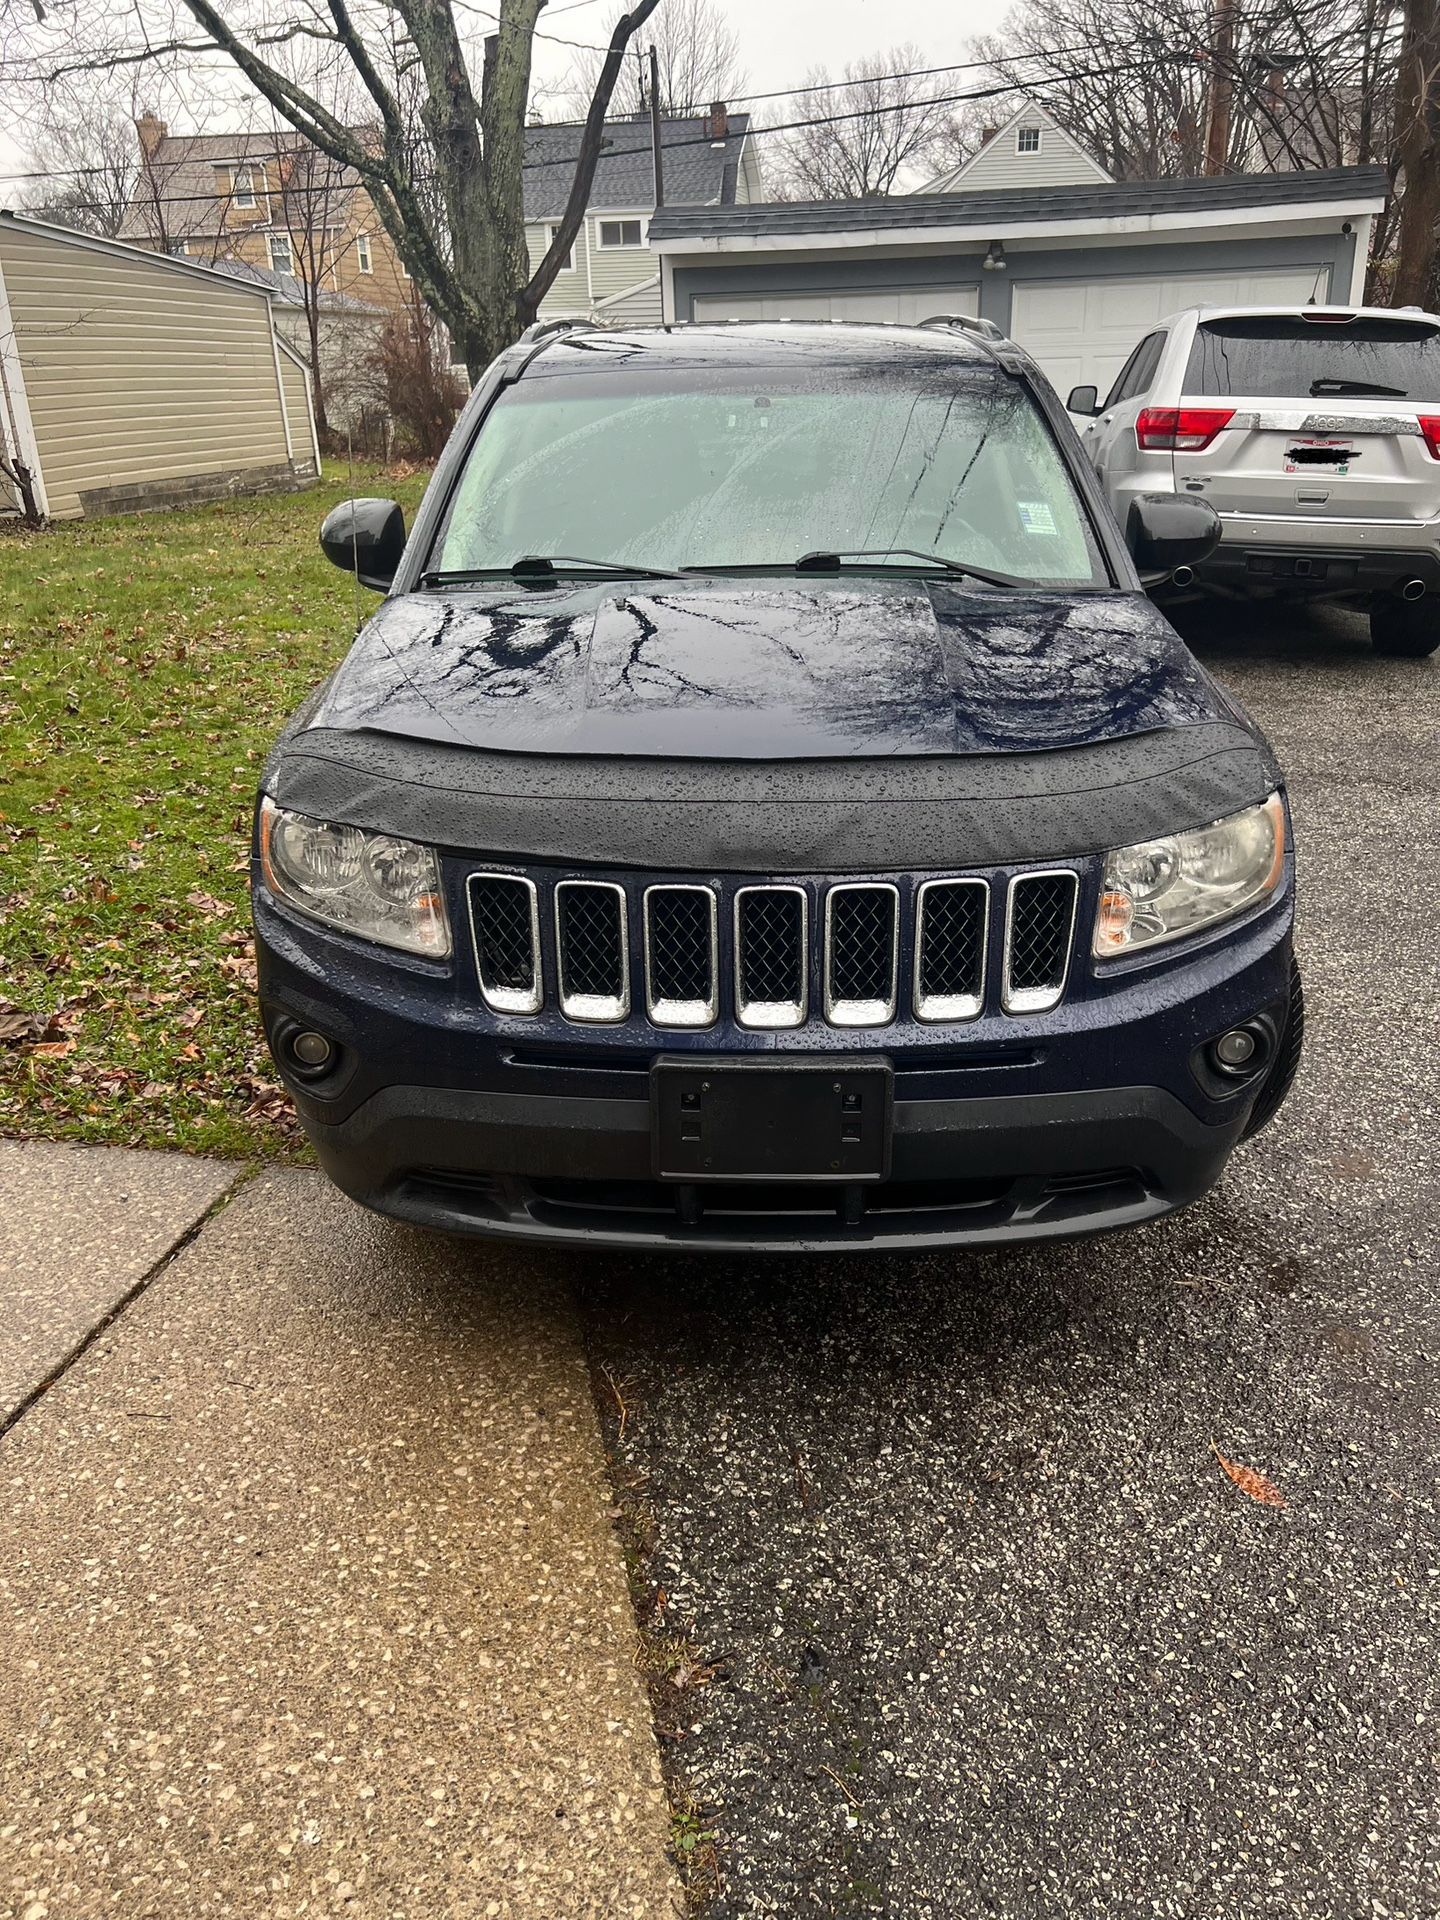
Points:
(979, 1625)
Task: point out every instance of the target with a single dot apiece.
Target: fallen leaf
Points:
(52, 1050)
(1250, 1482)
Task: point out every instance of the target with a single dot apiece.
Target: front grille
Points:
(771, 956)
(505, 922)
(681, 967)
(590, 938)
(953, 919)
(750, 950)
(1039, 932)
(862, 952)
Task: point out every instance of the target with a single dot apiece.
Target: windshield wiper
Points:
(830, 561)
(538, 566)
(1333, 384)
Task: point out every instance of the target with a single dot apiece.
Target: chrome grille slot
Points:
(681, 968)
(1039, 933)
(862, 946)
(505, 927)
(952, 932)
(593, 957)
(771, 956)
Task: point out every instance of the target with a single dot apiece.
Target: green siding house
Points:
(707, 160)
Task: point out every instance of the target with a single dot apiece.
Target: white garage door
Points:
(1083, 330)
(907, 306)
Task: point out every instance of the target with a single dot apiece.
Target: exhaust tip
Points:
(1182, 576)
(1413, 590)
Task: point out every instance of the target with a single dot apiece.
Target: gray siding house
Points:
(1076, 273)
(706, 159)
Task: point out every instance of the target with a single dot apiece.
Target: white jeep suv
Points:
(1315, 434)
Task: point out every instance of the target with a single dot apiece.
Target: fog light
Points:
(1235, 1050)
(311, 1050)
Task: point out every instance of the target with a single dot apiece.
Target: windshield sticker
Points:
(1035, 516)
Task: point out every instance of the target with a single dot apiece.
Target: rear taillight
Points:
(1180, 429)
(1430, 427)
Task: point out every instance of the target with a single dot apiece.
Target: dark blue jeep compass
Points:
(766, 811)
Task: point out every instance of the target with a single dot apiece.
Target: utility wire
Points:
(612, 152)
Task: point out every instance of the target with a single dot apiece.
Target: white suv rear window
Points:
(1278, 357)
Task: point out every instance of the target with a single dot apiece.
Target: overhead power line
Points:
(705, 139)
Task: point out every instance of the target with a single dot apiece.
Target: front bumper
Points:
(1089, 1117)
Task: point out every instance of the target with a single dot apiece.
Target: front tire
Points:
(1403, 629)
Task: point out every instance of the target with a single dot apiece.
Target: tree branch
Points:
(563, 239)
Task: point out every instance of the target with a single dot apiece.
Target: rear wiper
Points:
(537, 566)
(1333, 384)
(826, 561)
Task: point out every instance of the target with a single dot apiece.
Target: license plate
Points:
(1323, 456)
(771, 1120)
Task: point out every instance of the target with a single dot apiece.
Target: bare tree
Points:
(89, 164)
(861, 136)
(450, 192)
(1161, 87)
(698, 55)
(1417, 124)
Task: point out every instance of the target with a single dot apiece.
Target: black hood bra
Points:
(862, 725)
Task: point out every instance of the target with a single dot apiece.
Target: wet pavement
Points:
(310, 1593)
(992, 1632)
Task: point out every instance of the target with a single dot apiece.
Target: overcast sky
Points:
(780, 39)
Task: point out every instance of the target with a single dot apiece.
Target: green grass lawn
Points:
(146, 665)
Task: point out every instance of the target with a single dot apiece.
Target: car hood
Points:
(768, 670)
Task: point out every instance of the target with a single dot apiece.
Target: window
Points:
(567, 265)
(1027, 140)
(362, 253)
(709, 467)
(1280, 357)
(282, 254)
(1138, 371)
(622, 233)
(242, 186)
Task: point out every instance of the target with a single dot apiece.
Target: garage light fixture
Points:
(995, 261)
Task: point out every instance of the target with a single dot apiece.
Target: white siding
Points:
(1057, 164)
(1060, 162)
(138, 373)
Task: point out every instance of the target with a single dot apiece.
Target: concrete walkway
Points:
(309, 1597)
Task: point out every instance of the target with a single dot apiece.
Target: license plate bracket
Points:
(823, 1120)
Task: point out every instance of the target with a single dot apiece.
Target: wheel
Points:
(1405, 629)
(1287, 1060)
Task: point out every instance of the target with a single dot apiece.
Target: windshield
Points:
(713, 468)
(1273, 357)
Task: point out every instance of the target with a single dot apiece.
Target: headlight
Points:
(1187, 881)
(370, 884)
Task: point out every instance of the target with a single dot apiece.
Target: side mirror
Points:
(1084, 400)
(366, 538)
(1170, 530)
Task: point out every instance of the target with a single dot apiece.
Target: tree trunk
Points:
(317, 383)
(1417, 128)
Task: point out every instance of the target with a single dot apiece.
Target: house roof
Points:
(179, 173)
(1000, 209)
(698, 171)
(286, 290)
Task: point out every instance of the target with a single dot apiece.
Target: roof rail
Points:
(542, 329)
(967, 323)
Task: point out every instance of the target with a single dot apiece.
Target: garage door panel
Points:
(904, 305)
(1083, 330)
